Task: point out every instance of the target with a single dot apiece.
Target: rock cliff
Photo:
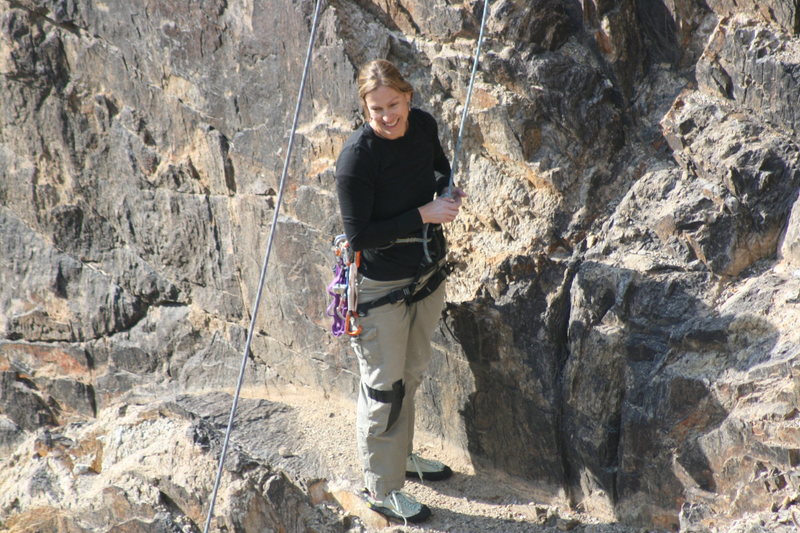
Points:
(620, 328)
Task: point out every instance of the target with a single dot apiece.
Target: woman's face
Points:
(388, 111)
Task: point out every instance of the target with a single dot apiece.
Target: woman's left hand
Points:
(439, 211)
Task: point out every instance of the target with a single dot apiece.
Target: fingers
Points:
(447, 209)
(454, 192)
(456, 198)
(440, 210)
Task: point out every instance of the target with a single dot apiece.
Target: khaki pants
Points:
(393, 350)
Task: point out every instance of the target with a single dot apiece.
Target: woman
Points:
(387, 177)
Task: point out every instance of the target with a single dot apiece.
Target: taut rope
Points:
(454, 167)
(264, 266)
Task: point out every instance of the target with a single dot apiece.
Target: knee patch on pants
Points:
(393, 397)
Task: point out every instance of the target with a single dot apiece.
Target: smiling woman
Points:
(387, 178)
(386, 97)
(388, 111)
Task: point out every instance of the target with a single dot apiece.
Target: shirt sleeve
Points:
(355, 187)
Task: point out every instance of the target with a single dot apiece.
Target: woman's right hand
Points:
(441, 210)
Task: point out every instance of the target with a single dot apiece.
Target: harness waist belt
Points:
(407, 294)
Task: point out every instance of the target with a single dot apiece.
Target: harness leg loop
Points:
(393, 397)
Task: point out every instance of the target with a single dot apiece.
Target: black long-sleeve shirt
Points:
(380, 184)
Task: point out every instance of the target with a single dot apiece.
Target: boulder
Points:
(151, 467)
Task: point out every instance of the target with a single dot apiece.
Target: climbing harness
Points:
(344, 307)
(404, 240)
(415, 291)
(430, 274)
(453, 169)
(267, 253)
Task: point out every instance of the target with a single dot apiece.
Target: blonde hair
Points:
(380, 73)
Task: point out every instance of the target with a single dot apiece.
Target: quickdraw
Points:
(343, 289)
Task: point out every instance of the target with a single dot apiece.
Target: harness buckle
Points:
(400, 295)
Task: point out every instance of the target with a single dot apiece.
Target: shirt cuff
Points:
(409, 221)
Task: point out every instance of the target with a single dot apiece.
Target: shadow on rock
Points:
(600, 382)
(640, 398)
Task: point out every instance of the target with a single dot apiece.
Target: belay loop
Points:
(343, 289)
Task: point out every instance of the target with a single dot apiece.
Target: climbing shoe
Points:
(426, 469)
(399, 506)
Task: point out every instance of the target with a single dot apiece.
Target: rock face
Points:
(620, 325)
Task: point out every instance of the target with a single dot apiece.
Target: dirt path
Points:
(466, 503)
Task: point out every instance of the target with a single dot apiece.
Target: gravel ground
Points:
(465, 503)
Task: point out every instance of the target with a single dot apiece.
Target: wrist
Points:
(421, 211)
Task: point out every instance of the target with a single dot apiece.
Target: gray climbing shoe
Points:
(399, 506)
(426, 469)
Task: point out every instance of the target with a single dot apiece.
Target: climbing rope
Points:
(267, 253)
(454, 168)
(464, 111)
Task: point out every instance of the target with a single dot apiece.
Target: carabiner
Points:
(349, 321)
